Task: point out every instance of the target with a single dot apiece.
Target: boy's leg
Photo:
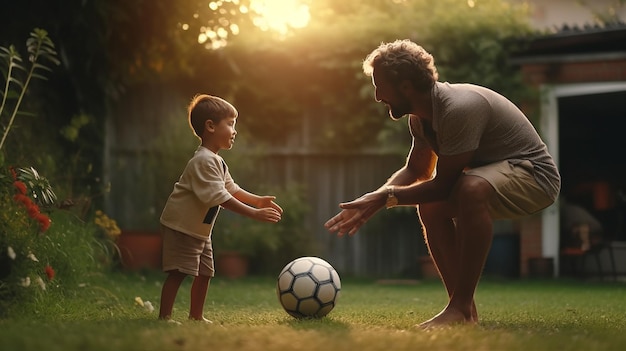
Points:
(199, 290)
(168, 293)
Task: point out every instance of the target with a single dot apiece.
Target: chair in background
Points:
(581, 243)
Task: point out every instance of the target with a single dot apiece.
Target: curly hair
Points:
(403, 60)
(204, 107)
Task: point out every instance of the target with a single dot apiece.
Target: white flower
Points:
(148, 306)
(11, 253)
(40, 282)
(139, 301)
(25, 282)
(32, 257)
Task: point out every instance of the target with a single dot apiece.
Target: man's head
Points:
(205, 108)
(397, 69)
(403, 60)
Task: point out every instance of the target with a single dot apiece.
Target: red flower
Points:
(44, 221)
(33, 210)
(13, 174)
(20, 186)
(50, 272)
(22, 199)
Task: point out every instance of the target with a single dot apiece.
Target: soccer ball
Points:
(308, 287)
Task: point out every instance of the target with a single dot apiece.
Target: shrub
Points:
(43, 248)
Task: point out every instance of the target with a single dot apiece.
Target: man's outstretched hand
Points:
(355, 213)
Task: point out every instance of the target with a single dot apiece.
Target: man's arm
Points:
(449, 169)
(419, 166)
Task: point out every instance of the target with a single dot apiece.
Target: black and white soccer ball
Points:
(308, 287)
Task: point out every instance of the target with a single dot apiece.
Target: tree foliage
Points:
(304, 89)
(314, 77)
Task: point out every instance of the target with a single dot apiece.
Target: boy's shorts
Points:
(517, 193)
(186, 254)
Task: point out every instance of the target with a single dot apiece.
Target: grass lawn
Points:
(516, 315)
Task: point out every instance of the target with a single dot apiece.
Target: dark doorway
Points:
(592, 159)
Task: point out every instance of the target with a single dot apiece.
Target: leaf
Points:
(39, 76)
(16, 81)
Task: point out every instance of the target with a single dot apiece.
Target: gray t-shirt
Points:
(193, 205)
(468, 117)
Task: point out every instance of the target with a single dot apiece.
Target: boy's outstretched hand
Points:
(268, 201)
(267, 214)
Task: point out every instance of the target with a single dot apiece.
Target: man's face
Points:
(389, 94)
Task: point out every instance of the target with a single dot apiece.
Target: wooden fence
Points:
(386, 247)
(141, 180)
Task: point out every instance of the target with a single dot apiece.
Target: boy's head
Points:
(205, 107)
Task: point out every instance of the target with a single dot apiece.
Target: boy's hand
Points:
(267, 214)
(268, 202)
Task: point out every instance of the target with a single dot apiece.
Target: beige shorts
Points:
(186, 254)
(517, 193)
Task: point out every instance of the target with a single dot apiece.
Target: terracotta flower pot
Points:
(231, 264)
(140, 250)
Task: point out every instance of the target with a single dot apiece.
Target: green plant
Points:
(36, 257)
(39, 46)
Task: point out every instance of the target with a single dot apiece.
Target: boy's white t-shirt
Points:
(193, 205)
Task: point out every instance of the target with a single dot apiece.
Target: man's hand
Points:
(355, 213)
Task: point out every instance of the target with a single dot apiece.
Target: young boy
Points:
(190, 212)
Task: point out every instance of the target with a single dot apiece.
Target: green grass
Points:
(516, 315)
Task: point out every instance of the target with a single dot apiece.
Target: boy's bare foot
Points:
(449, 316)
(204, 320)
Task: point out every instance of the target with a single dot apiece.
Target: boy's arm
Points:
(256, 200)
(265, 214)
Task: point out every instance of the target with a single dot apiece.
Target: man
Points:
(474, 158)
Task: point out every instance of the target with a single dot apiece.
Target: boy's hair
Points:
(204, 107)
(403, 60)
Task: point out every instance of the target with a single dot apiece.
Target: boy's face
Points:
(222, 134)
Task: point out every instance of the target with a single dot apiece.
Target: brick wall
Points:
(574, 72)
(530, 243)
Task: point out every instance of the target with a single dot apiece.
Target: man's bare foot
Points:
(474, 313)
(449, 316)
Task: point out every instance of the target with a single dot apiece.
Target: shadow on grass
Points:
(318, 324)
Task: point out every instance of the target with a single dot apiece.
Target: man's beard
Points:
(399, 110)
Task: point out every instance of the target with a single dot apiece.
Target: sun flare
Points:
(280, 15)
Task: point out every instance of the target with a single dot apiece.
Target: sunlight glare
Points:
(280, 15)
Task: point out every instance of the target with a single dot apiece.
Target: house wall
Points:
(605, 70)
(566, 73)
(551, 14)
(554, 15)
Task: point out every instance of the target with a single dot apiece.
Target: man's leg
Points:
(439, 234)
(460, 253)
